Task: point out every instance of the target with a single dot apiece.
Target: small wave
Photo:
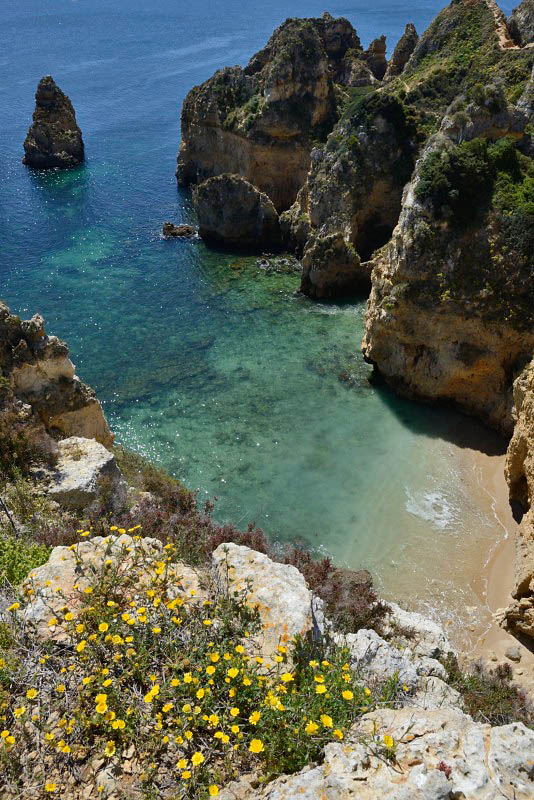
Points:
(433, 507)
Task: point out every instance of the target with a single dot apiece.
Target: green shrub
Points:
(18, 557)
(490, 696)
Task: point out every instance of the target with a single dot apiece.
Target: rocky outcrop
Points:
(231, 211)
(375, 56)
(331, 268)
(260, 122)
(435, 755)
(75, 568)
(172, 231)
(42, 376)
(278, 591)
(450, 315)
(54, 138)
(403, 50)
(85, 476)
(521, 23)
(520, 476)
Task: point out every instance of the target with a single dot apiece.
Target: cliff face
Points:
(521, 23)
(451, 312)
(39, 372)
(520, 477)
(54, 138)
(259, 122)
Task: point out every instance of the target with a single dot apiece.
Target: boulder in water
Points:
(54, 138)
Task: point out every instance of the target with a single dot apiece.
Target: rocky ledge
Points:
(54, 138)
(37, 373)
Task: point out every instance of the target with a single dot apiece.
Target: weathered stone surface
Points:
(451, 312)
(432, 694)
(75, 569)
(439, 755)
(375, 56)
(172, 231)
(521, 23)
(43, 377)
(331, 268)
(231, 211)
(519, 616)
(278, 591)
(403, 50)
(260, 122)
(86, 473)
(426, 638)
(54, 138)
(375, 659)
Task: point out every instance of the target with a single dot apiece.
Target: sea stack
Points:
(54, 138)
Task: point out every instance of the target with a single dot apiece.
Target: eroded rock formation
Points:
(54, 138)
(520, 477)
(41, 375)
(403, 50)
(331, 267)
(231, 211)
(375, 56)
(451, 311)
(521, 23)
(260, 122)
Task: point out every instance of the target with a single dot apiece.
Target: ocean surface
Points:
(204, 361)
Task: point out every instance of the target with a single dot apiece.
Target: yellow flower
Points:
(347, 695)
(50, 787)
(182, 764)
(287, 677)
(234, 712)
(213, 790)
(156, 630)
(69, 616)
(31, 694)
(338, 734)
(232, 672)
(326, 720)
(80, 647)
(175, 682)
(197, 759)
(235, 728)
(388, 741)
(200, 694)
(207, 622)
(18, 712)
(367, 692)
(52, 622)
(254, 718)
(214, 657)
(256, 746)
(186, 708)
(14, 607)
(185, 775)
(210, 670)
(314, 664)
(107, 682)
(188, 677)
(110, 749)
(320, 688)
(311, 728)
(118, 724)
(239, 648)
(80, 628)
(103, 627)
(188, 735)
(213, 719)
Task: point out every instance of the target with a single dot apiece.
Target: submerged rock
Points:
(172, 231)
(54, 138)
(231, 211)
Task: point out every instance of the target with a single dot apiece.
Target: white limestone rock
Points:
(278, 591)
(427, 638)
(85, 470)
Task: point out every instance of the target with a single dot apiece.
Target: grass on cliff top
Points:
(164, 690)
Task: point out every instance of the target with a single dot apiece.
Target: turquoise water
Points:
(203, 361)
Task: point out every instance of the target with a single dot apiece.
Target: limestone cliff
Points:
(521, 23)
(403, 50)
(451, 312)
(520, 477)
(39, 373)
(260, 122)
(54, 138)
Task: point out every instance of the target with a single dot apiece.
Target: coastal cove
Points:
(206, 362)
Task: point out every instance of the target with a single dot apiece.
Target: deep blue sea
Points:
(202, 361)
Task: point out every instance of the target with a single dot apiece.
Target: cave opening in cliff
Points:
(371, 237)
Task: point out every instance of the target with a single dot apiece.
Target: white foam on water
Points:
(433, 507)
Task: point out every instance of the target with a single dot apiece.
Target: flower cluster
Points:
(167, 684)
